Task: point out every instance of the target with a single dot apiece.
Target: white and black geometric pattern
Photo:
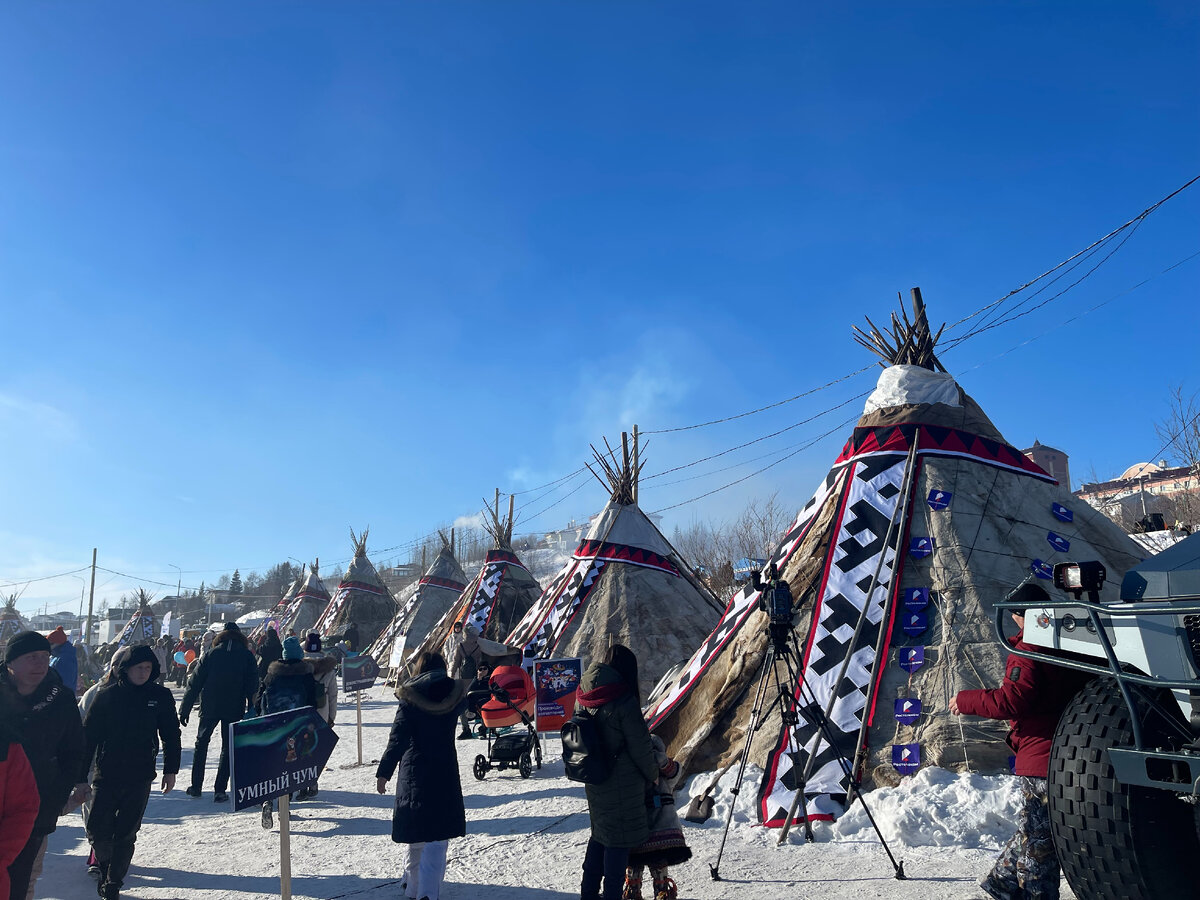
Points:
(871, 496)
(546, 621)
(484, 599)
(740, 606)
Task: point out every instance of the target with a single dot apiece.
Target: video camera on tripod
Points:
(775, 598)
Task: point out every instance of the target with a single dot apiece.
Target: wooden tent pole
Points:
(635, 465)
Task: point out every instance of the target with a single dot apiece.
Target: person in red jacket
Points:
(1032, 698)
(19, 802)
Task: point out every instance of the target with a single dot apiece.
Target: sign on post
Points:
(358, 673)
(277, 754)
(556, 682)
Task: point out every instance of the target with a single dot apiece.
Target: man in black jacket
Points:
(225, 682)
(42, 711)
(123, 728)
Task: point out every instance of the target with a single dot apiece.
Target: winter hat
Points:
(22, 643)
(292, 649)
(139, 654)
(232, 626)
(57, 636)
(312, 643)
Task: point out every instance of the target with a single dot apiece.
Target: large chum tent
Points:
(624, 584)
(435, 593)
(498, 596)
(361, 599)
(306, 605)
(926, 518)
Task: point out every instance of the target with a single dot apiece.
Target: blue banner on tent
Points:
(358, 673)
(939, 499)
(911, 658)
(277, 754)
(1041, 569)
(914, 623)
(1062, 513)
(916, 598)
(907, 710)
(906, 758)
(1058, 542)
(920, 547)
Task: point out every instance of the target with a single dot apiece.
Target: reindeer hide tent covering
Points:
(436, 592)
(361, 598)
(978, 519)
(306, 605)
(624, 584)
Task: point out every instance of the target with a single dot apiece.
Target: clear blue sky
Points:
(269, 271)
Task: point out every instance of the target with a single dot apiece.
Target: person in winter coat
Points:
(125, 723)
(63, 659)
(1033, 697)
(271, 650)
(429, 801)
(85, 703)
(609, 692)
(325, 672)
(463, 646)
(42, 712)
(163, 653)
(225, 682)
(665, 846)
(289, 685)
(18, 801)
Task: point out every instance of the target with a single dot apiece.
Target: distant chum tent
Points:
(361, 598)
(498, 596)
(140, 627)
(11, 621)
(435, 594)
(306, 605)
(277, 611)
(925, 520)
(625, 584)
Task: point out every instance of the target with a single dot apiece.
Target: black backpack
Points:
(585, 757)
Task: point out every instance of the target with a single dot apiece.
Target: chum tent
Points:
(140, 628)
(361, 599)
(275, 614)
(11, 621)
(927, 517)
(305, 607)
(498, 596)
(435, 593)
(624, 584)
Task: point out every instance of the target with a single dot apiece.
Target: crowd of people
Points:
(101, 751)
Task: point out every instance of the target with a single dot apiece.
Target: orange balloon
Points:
(190, 655)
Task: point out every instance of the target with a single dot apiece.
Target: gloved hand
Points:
(183, 718)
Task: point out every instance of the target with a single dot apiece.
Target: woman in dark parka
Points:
(617, 806)
(429, 801)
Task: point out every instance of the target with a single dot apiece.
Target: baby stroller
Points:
(508, 700)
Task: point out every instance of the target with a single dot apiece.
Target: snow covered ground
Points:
(526, 838)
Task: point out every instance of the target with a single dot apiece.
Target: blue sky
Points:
(269, 271)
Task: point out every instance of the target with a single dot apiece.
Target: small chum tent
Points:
(361, 598)
(436, 592)
(11, 621)
(306, 605)
(624, 584)
(140, 627)
(926, 518)
(276, 612)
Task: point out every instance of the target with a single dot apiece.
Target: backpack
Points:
(585, 757)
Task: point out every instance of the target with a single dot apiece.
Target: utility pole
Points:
(87, 636)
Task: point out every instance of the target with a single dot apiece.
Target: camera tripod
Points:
(795, 699)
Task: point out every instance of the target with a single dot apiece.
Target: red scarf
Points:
(605, 693)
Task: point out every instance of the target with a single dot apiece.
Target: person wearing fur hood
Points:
(429, 801)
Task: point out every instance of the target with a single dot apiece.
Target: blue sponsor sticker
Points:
(916, 597)
(906, 758)
(920, 547)
(1012, 765)
(1041, 569)
(907, 710)
(1062, 513)
(939, 499)
(1058, 542)
(914, 623)
(911, 658)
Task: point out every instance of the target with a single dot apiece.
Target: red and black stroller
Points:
(508, 701)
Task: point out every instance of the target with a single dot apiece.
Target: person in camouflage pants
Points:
(1028, 866)
(1032, 697)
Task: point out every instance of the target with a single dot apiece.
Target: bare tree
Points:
(1179, 432)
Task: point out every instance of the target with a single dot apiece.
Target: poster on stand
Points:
(556, 682)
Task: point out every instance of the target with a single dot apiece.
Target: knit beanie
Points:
(57, 636)
(138, 655)
(22, 643)
(292, 648)
(312, 643)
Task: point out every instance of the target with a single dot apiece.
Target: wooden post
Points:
(285, 851)
(87, 637)
(358, 705)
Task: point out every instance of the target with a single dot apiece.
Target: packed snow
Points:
(526, 837)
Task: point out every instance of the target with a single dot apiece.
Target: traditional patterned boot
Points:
(633, 884)
(664, 887)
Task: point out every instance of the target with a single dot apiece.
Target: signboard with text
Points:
(556, 682)
(277, 754)
(358, 673)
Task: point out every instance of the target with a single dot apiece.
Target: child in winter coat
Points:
(665, 846)
(325, 672)
(289, 684)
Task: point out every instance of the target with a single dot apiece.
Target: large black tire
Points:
(1115, 842)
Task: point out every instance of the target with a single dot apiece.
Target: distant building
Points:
(1144, 483)
(1051, 461)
